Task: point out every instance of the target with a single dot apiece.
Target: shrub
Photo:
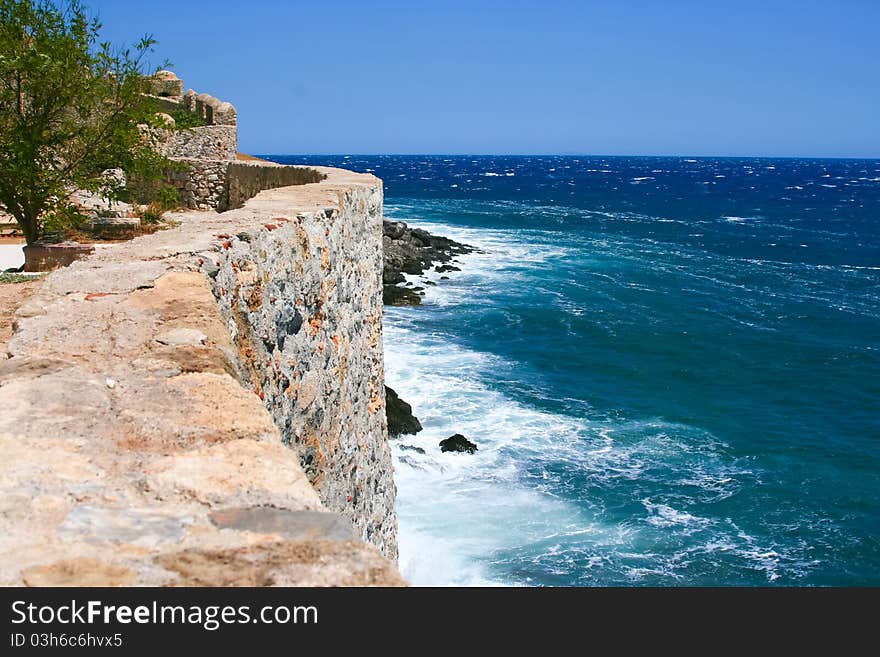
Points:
(168, 198)
(62, 219)
(70, 106)
(152, 214)
(184, 119)
(16, 278)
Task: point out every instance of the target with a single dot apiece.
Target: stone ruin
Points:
(209, 176)
(167, 88)
(212, 177)
(204, 151)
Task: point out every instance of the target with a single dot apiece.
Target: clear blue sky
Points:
(639, 77)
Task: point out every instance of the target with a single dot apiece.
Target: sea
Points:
(670, 366)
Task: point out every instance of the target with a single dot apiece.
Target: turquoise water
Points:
(671, 367)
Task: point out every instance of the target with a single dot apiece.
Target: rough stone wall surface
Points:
(202, 184)
(210, 142)
(224, 185)
(302, 297)
(246, 179)
(137, 448)
(207, 150)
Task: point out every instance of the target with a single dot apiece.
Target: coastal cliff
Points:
(205, 405)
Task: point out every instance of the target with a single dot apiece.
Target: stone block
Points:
(113, 227)
(41, 256)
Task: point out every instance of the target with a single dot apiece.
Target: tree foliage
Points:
(70, 107)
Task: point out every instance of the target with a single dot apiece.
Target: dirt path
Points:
(12, 295)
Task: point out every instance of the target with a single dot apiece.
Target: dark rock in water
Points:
(445, 268)
(393, 229)
(392, 278)
(429, 282)
(457, 443)
(412, 448)
(412, 266)
(414, 251)
(444, 278)
(400, 416)
(393, 295)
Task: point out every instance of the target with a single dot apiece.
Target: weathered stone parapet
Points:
(212, 110)
(244, 180)
(226, 185)
(137, 447)
(189, 100)
(207, 149)
(213, 142)
(202, 184)
(166, 84)
(225, 114)
(302, 296)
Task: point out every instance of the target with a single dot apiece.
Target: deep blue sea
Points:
(671, 367)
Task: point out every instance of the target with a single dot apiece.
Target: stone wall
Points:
(212, 179)
(223, 185)
(211, 142)
(302, 297)
(167, 89)
(206, 151)
(212, 110)
(246, 179)
(202, 184)
(137, 447)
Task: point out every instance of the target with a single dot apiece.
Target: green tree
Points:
(70, 107)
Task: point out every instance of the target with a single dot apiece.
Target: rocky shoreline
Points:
(413, 251)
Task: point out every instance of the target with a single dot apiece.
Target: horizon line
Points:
(696, 157)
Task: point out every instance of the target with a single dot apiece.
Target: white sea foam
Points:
(464, 518)
(484, 506)
(456, 509)
(663, 515)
